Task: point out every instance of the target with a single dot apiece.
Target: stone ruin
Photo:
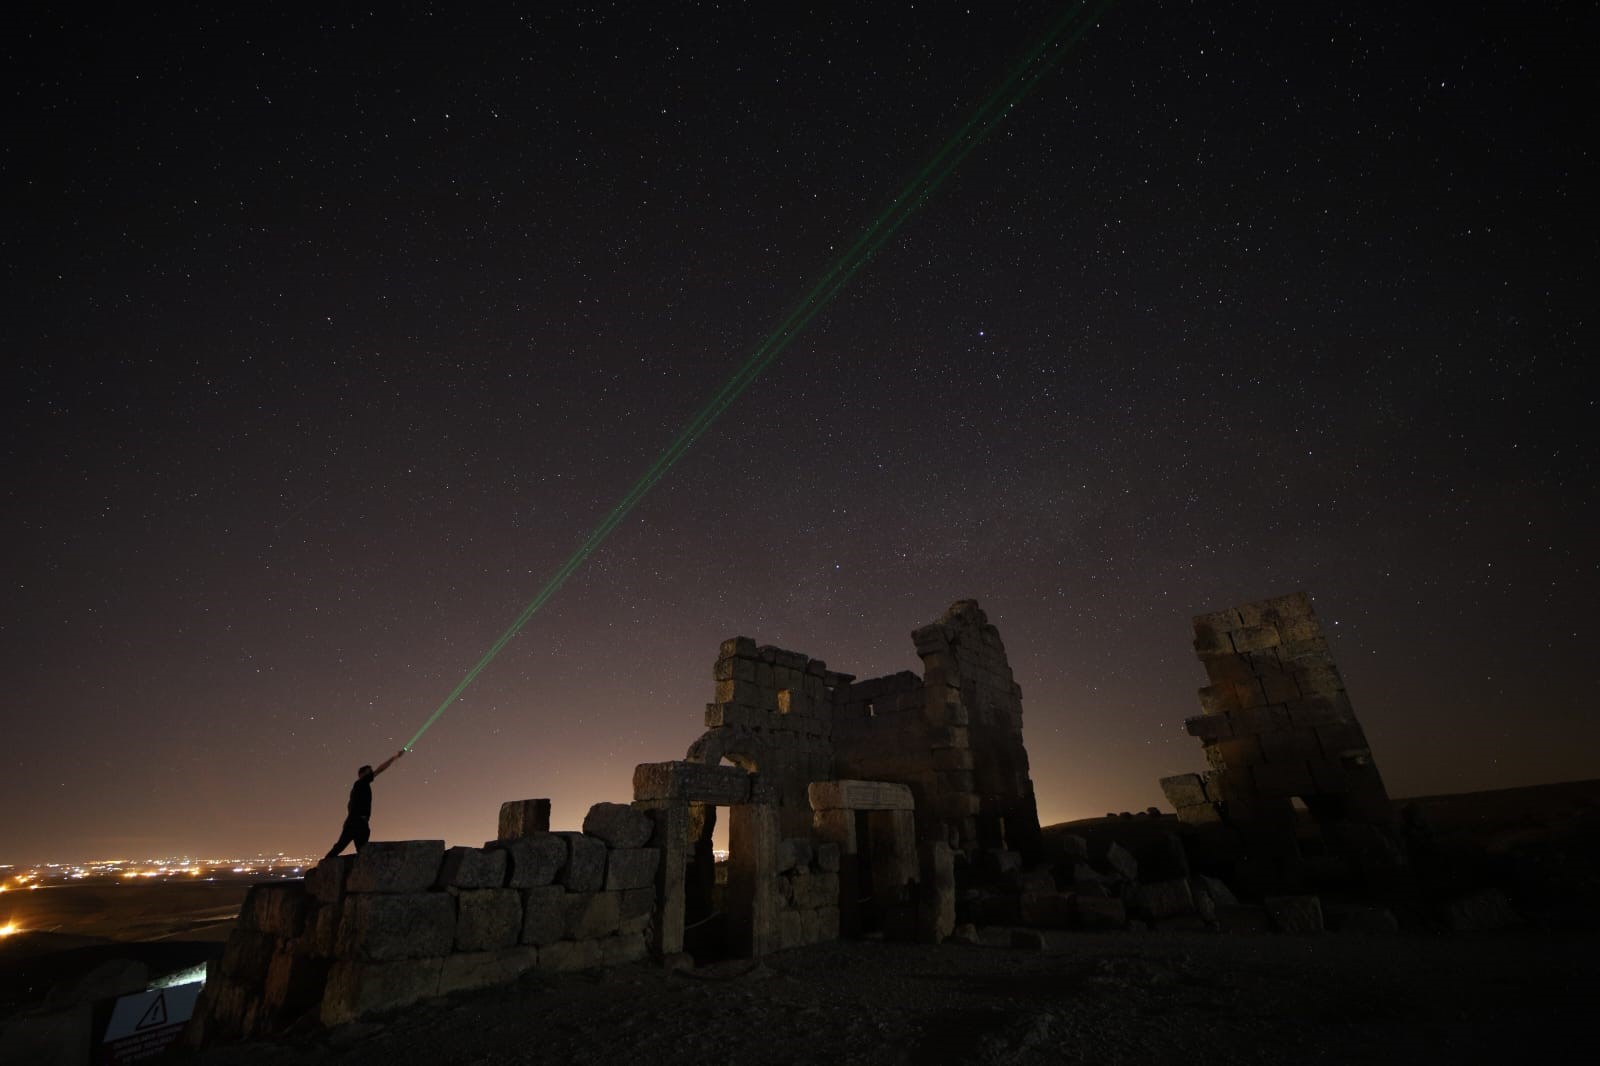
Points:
(850, 805)
(897, 806)
(1278, 727)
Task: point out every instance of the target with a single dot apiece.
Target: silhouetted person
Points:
(359, 810)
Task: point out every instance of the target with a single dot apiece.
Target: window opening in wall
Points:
(870, 710)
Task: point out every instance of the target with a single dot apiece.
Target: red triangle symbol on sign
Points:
(155, 1015)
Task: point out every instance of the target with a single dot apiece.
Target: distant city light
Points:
(9, 928)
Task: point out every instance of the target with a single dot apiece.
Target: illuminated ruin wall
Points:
(1277, 726)
(844, 801)
(953, 736)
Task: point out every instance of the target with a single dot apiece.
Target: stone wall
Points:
(1277, 725)
(402, 921)
(952, 735)
(807, 890)
(844, 803)
(773, 714)
(966, 674)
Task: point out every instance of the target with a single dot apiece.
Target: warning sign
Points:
(145, 1024)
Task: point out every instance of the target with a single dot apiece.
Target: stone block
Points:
(277, 908)
(487, 918)
(382, 927)
(1235, 753)
(1290, 745)
(467, 971)
(1315, 711)
(1311, 651)
(1199, 814)
(567, 956)
(1087, 881)
(999, 908)
(1070, 847)
(696, 782)
(1360, 921)
(325, 881)
(1279, 688)
(1243, 918)
(397, 866)
(816, 890)
(1029, 939)
(1209, 726)
(735, 691)
(751, 913)
(1337, 738)
(791, 929)
(1217, 700)
(245, 959)
(1120, 861)
(1260, 718)
(472, 868)
(635, 903)
(1163, 858)
(1183, 790)
(795, 852)
(1050, 910)
(1294, 914)
(631, 868)
(359, 987)
(950, 759)
(954, 780)
(534, 860)
(321, 936)
(810, 927)
(1482, 911)
(544, 915)
(618, 825)
(1282, 779)
(586, 863)
(738, 648)
(859, 796)
(732, 669)
(622, 949)
(1211, 632)
(1255, 638)
(1215, 889)
(954, 806)
(1099, 912)
(590, 916)
(719, 715)
(827, 855)
(1164, 899)
(1330, 777)
(294, 986)
(519, 818)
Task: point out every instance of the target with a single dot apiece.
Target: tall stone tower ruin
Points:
(1277, 726)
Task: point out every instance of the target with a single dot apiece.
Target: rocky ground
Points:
(1135, 998)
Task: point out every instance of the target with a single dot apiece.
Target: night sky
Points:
(329, 338)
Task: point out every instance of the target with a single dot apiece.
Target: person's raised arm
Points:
(381, 767)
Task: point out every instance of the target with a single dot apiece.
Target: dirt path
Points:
(1133, 998)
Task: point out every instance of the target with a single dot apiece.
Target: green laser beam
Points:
(1077, 20)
